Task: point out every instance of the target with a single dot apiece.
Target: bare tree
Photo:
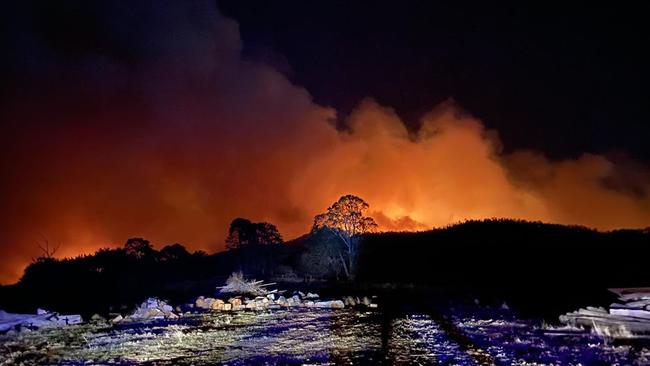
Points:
(44, 246)
(345, 218)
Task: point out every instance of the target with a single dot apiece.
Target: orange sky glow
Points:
(217, 137)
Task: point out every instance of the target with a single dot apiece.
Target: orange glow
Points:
(448, 172)
(179, 165)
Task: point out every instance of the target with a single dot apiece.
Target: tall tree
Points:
(345, 218)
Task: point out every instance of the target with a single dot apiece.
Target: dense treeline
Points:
(513, 256)
(118, 278)
(509, 253)
(538, 268)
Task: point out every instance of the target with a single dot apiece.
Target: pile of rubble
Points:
(42, 318)
(631, 314)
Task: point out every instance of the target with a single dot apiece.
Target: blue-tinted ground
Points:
(458, 336)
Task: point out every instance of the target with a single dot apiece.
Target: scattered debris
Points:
(335, 304)
(97, 319)
(42, 318)
(363, 302)
(117, 319)
(156, 309)
(208, 303)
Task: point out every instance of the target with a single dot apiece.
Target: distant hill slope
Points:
(509, 253)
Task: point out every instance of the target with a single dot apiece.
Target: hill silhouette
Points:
(500, 258)
(501, 252)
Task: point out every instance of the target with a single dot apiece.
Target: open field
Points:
(460, 337)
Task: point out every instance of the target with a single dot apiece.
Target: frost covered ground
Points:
(319, 337)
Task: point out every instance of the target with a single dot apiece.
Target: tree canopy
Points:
(243, 233)
(138, 248)
(346, 216)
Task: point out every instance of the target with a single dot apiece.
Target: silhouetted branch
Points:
(44, 246)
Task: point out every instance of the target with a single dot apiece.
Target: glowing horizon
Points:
(173, 148)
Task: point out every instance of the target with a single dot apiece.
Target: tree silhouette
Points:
(138, 248)
(244, 233)
(173, 252)
(345, 218)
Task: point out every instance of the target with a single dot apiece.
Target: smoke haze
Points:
(165, 132)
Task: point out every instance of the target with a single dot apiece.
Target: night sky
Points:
(166, 120)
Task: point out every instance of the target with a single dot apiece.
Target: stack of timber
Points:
(630, 313)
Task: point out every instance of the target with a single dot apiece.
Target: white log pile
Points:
(255, 295)
(272, 301)
(237, 284)
(150, 309)
(629, 315)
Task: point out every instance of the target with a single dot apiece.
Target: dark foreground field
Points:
(415, 333)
